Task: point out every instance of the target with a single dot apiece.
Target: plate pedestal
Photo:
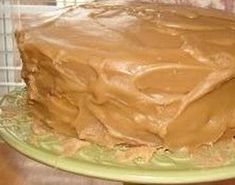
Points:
(15, 129)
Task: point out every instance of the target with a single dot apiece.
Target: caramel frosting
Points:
(132, 73)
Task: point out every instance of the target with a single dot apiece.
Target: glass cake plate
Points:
(97, 161)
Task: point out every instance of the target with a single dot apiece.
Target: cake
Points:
(139, 74)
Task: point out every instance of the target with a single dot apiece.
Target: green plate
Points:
(96, 161)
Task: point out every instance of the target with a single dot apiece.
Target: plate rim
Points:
(116, 173)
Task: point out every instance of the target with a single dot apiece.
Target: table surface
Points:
(16, 169)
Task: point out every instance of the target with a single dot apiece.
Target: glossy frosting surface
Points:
(134, 73)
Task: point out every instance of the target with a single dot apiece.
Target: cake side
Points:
(132, 73)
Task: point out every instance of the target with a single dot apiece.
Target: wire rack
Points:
(10, 62)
